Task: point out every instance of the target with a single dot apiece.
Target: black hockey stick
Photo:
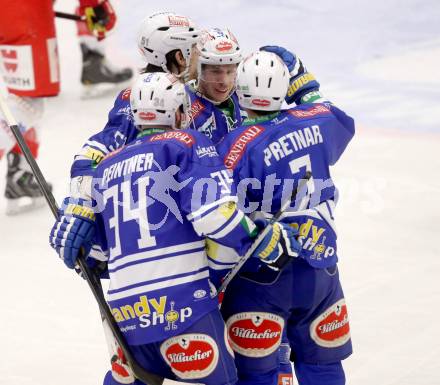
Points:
(92, 280)
(69, 16)
(233, 272)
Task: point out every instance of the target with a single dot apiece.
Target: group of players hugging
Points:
(197, 156)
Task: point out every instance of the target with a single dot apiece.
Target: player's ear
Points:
(180, 60)
(179, 119)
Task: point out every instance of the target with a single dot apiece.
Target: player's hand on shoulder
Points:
(278, 246)
(304, 88)
(99, 15)
(74, 228)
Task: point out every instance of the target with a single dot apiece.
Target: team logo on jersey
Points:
(312, 111)
(124, 111)
(223, 46)
(144, 306)
(191, 356)
(285, 379)
(147, 115)
(10, 60)
(120, 369)
(17, 62)
(196, 108)
(126, 94)
(227, 341)
(199, 294)
(261, 102)
(331, 329)
(209, 151)
(315, 243)
(151, 312)
(182, 137)
(238, 148)
(255, 334)
(171, 319)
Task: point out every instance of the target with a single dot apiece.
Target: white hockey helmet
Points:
(218, 46)
(262, 81)
(155, 98)
(164, 32)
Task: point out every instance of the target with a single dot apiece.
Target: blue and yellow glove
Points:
(304, 88)
(74, 228)
(278, 246)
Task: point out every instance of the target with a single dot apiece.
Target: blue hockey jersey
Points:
(157, 200)
(269, 158)
(118, 131)
(215, 121)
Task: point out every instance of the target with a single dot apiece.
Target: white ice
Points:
(378, 60)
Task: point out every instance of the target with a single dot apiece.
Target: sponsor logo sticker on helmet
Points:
(178, 21)
(147, 115)
(255, 334)
(261, 102)
(191, 356)
(224, 46)
(331, 329)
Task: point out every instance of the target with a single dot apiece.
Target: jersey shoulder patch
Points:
(180, 136)
(240, 143)
(309, 111)
(125, 94)
(197, 107)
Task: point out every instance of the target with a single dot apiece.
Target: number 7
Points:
(295, 167)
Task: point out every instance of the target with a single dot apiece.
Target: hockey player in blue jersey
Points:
(166, 42)
(268, 155)
(155, 202)
(215, 110)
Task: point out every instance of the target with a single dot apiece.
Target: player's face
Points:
(217, 81)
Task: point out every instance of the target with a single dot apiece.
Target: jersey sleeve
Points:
(342, 131)
(118, 131)
(208, 201)
(317, 231)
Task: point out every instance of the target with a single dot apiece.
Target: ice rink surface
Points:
(377, 60)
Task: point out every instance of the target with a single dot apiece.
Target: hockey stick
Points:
(233, 272)
(69, 16)
(92, 280)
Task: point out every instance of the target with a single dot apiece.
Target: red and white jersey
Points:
(28, 48)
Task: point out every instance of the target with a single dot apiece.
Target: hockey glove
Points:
(304, 88)
(74, 228)
(99, 15)
(278, 246)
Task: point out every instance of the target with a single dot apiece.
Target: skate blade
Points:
(93, 91)
(22, 205)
